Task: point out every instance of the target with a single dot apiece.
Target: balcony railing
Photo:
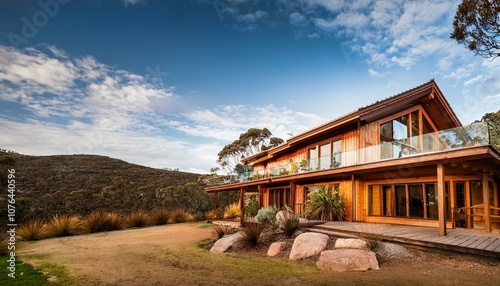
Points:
(451, 139)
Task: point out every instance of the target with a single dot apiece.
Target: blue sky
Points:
(169, 83)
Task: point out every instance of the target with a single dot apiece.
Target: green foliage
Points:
(190, 197)
(325, 203)
(249, 143)
(253, 235)
(251, 204)
(289, 222)
(32, 229)
(180, 216)
(493, 121)
(64, 225)
(267, 215)
(160, 217)
(83, 184)
(477, 26)
(25, 274)
(137, 219)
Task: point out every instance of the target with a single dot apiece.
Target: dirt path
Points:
(168, 255)
(120, 257)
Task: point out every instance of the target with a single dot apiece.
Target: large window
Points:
(279, 197)
(400, 136)
(326, 155)
(415, 200)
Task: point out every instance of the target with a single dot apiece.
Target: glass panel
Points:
(460, 194)
(400, 128)
(429, 137)
(400, 200)
(386, 130)
(432, 200)
(313, 159)
(414, 132)
(325, 152)
(416, 200)
(337, 153)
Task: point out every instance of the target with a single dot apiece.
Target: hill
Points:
(80, 184)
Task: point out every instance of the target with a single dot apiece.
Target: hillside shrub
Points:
(113, 221)
(32, 229)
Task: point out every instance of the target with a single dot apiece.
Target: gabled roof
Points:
(427, 94)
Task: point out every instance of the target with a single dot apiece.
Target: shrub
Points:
(289, 223)
(233, 211)
(64, 225)
(251, 205)
(179, 216)
(137, 219)
(325, 203)
(267, 215)
(253, 235)
(31, 230)
(96, 222)
(220, 231)
(160, 217)
(113, 221)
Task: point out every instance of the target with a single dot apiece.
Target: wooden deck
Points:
(461, 240)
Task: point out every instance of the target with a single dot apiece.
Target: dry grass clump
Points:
(180, 216)
(32, 229)
(233, 211)
(102, 221)
(220, 231)
(137, 219)
(289, 222)
(64, 225)
(160, 217)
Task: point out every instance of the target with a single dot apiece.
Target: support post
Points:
(216, 198)
(292, 196)
(353, 198)
(242, 206)
(441, 200)
(486, 200)
(260, 196)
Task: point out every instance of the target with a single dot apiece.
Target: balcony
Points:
(451, 139)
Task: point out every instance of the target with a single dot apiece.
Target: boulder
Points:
(276, 248)
(224, 244)
(351, 243)
(347, 260)
(308, 244)
(392, 250)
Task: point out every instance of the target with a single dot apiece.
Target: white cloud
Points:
(89, 107)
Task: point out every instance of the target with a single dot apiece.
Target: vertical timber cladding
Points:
(350, 147)
(369, 135)
(345, 190)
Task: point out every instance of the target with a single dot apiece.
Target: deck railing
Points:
(444, 140)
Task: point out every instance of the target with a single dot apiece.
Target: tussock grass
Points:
(64, 225)
(289, 223)
(96, 222)
(253, 235)
(32, 229)
(220, 230)
(138, 219)
(180, 216)
(233, 211)
(160, 217)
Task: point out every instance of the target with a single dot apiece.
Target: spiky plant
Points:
(138, 219)
(32, 229)
(289, 222)
(113, 221)
(179, 216)
(253, 235)
(160, 217)
(64, 225)
(325, 203)
(95, 222)
(220, 231)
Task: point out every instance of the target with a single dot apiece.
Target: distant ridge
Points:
(79, 184)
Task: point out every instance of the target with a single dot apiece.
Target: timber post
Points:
(486, 202)
(441, 200)
(242, 206)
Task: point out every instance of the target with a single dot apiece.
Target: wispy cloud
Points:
(66, 105)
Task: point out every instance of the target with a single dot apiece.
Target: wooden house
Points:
(406, 159)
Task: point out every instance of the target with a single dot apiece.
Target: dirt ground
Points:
(169, 255)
